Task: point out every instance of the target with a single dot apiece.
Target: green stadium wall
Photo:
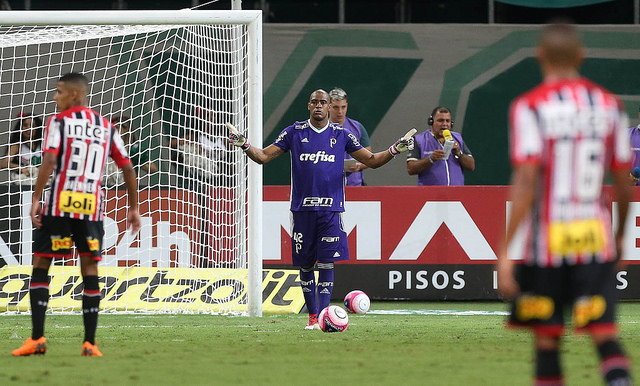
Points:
(396, 74)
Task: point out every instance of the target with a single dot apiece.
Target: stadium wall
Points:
(426, 243)
(396, 74)
(420, 243)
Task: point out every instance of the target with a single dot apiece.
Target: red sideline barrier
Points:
(424, 242)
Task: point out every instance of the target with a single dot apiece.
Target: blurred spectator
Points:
(201, 155)
(338, 114)
(25, 149)
(138, 153)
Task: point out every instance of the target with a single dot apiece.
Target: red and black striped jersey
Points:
(81, 139)
(575, 131)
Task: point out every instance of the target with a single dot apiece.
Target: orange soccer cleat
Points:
(90, 350)
(30, 346)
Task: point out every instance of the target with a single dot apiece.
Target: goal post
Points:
(170, 80)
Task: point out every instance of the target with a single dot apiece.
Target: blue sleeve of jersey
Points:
(364, 137)
(352, 143)
(283, 141)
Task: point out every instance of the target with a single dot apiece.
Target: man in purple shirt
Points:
(634, 132)
(427, 159)
(338, 114)
(317, 149)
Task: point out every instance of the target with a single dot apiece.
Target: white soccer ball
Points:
(333, 319)
(357, 302)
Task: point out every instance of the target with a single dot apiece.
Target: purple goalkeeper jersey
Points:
(317, 164)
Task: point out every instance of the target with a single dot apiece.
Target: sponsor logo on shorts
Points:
(318, 201)
(93, 244)
(331, 239)
(534, 307)
(58, 243)
(588, 308)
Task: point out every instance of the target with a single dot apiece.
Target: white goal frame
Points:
(253, 22)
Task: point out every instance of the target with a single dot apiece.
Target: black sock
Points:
(614, 364)
(90, 305)
(548, 369)
(39, 297)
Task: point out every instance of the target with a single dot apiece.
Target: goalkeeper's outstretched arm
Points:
(261, 156)
(375, 160)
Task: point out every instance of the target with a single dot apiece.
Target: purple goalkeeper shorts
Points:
(318, 236)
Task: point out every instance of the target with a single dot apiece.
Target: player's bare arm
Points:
(522, 195)
(49, 163)
(131, 182)
(358, 165)
(262, 156)
(372, 160)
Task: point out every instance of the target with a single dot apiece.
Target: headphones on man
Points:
(439, 109)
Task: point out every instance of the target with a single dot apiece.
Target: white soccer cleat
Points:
(313, 323)
(312, 327)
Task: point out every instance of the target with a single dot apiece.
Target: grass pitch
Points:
(384, 348)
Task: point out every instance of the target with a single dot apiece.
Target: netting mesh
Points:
(169, 89)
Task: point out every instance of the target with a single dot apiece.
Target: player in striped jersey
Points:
(565, 135)
(76, 144)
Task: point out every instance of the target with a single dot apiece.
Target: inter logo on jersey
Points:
(83, 129)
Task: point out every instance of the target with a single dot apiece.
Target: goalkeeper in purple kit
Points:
(317, 148)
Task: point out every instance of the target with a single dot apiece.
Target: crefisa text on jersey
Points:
(317, 157)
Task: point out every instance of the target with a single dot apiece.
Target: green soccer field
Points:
(416, 344)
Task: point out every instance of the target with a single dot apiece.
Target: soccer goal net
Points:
(168, 80)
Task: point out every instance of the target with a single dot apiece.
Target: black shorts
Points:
(589, 290)
(57, 235)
